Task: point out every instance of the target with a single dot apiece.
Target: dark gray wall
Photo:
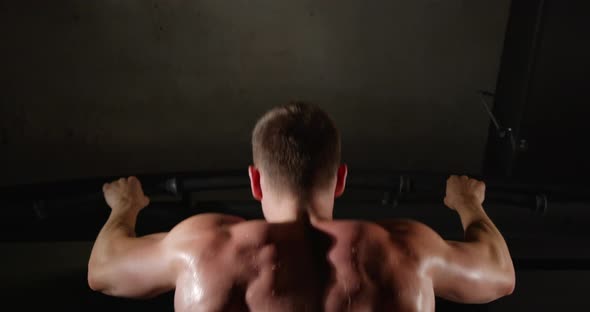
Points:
(114, 87)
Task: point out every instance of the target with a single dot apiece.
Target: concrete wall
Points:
(94, 88)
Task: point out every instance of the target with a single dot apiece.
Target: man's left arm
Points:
(122, 264)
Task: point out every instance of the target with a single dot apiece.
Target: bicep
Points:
(460, 271)
(465, 272)
(142, 268)
(150, 265)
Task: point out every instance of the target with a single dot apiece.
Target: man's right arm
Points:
(478, 269)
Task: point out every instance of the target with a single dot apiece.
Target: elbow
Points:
(510, 289)
(506, 275)
(505, 288)
(93, 280)
(501, 288)
(502, 284)
(510, 283)
(509, 276)
(93, 283)
(100, 280)
(98, 284)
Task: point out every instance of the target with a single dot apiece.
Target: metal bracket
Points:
(503, 132)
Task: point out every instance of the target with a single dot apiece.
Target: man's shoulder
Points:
(389, 226)
(209, 221)
(203, 226)
(406, 233)
(403, 226)
(219, 228)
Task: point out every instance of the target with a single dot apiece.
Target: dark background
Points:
(100, 88)
(96, 89)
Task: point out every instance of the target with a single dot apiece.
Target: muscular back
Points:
(221, 263)
(330, 266)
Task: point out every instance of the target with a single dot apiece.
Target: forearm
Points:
(110, 249)
(119, 227)
(478, 226)
(479, 229)
(471, 214)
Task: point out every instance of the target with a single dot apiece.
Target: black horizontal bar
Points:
(426, 187)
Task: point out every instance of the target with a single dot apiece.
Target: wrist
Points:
(126, 208)
(126, 216)
(471, 213)
(467, 204)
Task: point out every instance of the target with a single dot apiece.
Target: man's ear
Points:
(255, 182)
(341, 180)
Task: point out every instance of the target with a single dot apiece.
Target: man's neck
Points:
(296, 210)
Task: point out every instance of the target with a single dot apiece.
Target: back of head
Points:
(297, 146)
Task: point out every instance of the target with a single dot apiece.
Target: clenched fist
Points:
(125, 194)
(463, 191)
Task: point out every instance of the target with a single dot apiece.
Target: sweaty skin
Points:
(223, 263)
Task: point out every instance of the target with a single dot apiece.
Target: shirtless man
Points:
(298, 258)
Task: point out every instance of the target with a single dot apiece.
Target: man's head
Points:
(296, 153)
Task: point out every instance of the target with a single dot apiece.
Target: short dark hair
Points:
(297, 145)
